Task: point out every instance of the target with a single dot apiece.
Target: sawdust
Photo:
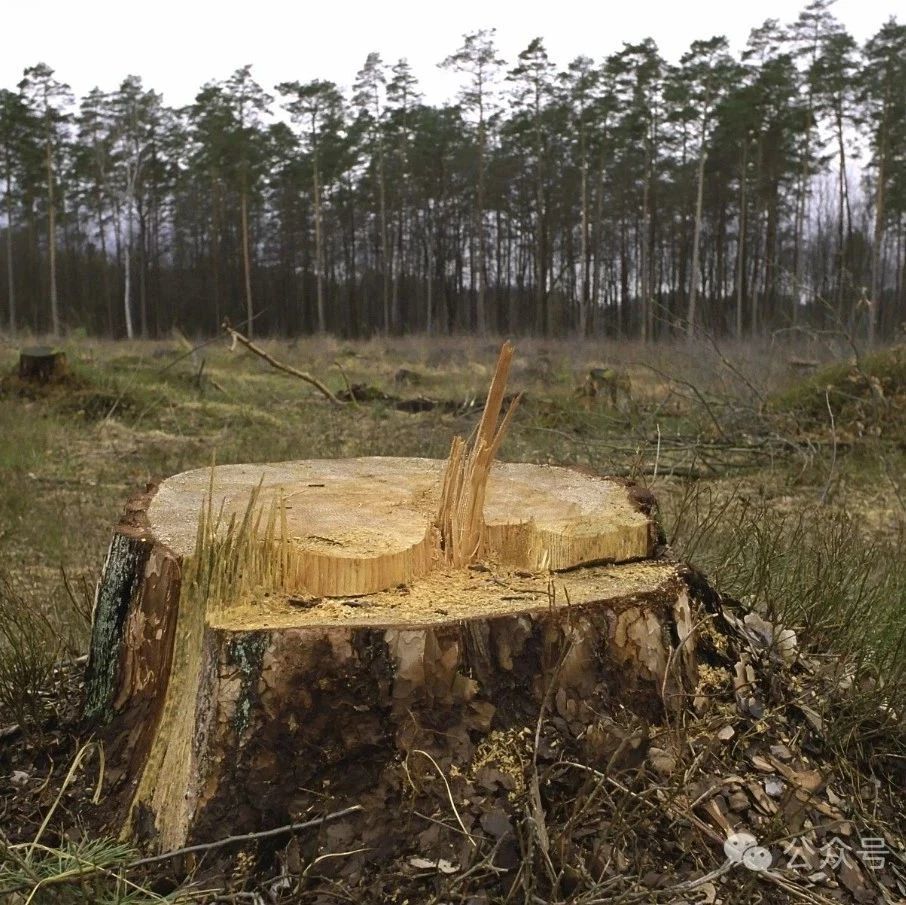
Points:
(447, 595)
(507, 752)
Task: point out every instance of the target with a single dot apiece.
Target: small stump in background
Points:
(42, 364)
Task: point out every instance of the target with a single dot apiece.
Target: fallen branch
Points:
(88, 870)
(247, 837)
(237, 337)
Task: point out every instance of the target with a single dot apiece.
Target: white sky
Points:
(177, 46)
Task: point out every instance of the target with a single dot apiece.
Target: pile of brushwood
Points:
(781, 781)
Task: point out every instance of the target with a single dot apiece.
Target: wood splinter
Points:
(460, 518)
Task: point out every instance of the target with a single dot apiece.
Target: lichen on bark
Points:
(122, 571)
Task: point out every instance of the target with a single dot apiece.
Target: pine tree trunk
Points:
(390, 318)
(479, 227)
(877, 248)
(246, 265)
(127, 280)
(142, 271)
(843, 233)
(105, 273)
(10, 272)
(644, 288)
(52, 244)
(696, 241)
(741, 245)
(319, 249)
(585, 248)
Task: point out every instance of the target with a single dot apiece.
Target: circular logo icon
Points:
(743, 848)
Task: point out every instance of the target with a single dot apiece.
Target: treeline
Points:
(627, 197)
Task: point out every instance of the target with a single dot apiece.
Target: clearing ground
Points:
(780, 470)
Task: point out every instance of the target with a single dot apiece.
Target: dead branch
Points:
(349, 389)
(237, 337)
(247, 837)
(89, 870)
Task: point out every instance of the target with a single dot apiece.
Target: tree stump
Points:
(42, 364)
(305, 632)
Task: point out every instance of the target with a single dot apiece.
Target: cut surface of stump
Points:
(42, 364)
(358, 526)
(306, 632)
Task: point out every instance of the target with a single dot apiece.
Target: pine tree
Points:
(369, 97)
(479, 60)
(249, 104)
(13, 127)
(317, 107)
(884, 97)
(696, 89)
(48, 100)
(533, 89)
(403, 97)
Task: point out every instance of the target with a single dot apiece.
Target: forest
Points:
(627, 197)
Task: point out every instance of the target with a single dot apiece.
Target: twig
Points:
(696, 392)
(246, 837)
(78, 874)
(287, 369)
(349, 388)
(187, 354)
(733, 369)
(440, 772)
(83, 752)
(830, 475)
(657, 456)
(201, 345)
(320, 858)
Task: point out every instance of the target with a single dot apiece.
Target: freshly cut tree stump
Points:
(42, 364)
(306, 632)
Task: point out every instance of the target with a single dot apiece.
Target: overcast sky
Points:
(177, 46)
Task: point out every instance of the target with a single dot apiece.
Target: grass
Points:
(816, 570)
(29, 651)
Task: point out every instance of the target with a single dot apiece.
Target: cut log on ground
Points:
(42, 364)
(307, 632)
